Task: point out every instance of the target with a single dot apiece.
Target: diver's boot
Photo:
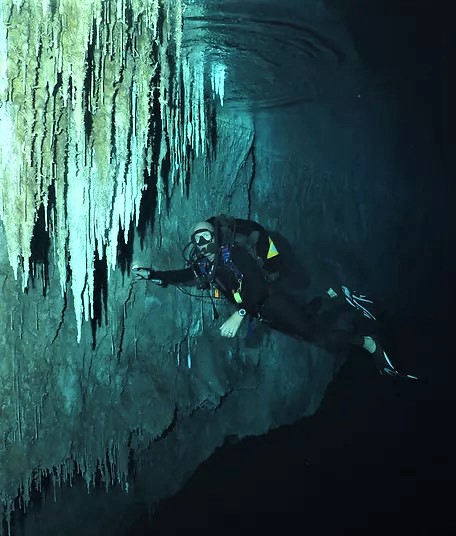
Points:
(382, 361)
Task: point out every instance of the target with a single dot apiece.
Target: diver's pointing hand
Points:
(140, 273)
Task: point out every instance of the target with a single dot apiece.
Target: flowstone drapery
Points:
(95, 97)
(80, 84)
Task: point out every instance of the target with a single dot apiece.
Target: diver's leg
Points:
(282, 313)
(382, 361)
(328, 324)
(349, 319)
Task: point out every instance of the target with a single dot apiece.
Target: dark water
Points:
(379, 455)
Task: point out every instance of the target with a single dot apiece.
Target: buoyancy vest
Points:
(225, 252)
(227, 234)
(225, 228)
(206, 271)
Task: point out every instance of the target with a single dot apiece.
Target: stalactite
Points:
(218, 76)
(75, 116)
(75, 93)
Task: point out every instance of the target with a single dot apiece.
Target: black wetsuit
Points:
(253, 288)
(335, 320)
(330, 323)
(262, 243)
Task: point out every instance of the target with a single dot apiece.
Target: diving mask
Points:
(202, 237)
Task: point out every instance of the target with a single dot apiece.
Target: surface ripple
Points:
(274, 56)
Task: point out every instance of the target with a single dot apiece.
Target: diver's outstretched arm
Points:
(163, 277)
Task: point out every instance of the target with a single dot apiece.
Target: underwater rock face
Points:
(132, 387)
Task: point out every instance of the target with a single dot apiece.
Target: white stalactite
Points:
(77, 82)
(218, 76)
(46, 59)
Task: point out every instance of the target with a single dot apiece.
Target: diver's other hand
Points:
(139, 273)
(231, 326)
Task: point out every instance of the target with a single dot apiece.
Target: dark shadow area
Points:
(125, 247)
(39, 246)
(100, 295)
(40, 243)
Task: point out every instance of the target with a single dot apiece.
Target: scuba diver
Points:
(237, 259)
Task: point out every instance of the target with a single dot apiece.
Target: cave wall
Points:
(160, 380)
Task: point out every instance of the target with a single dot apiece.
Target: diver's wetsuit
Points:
(336, 321)
(328, 323)
(248, 228)
(254, 288)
